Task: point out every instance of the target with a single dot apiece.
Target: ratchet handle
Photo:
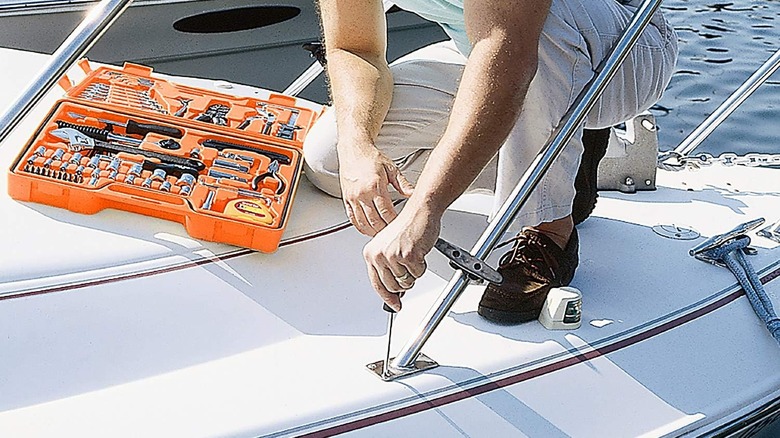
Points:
(165, 158)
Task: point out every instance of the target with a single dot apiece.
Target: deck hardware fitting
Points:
(676, 232)
(478, 270)
(721, 239)
(420, 364)
(728, 250)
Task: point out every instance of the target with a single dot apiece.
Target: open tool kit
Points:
(225, 167)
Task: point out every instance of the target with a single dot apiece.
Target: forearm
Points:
(361, 89)
(488, 102)
(360, 79)
(505, 39)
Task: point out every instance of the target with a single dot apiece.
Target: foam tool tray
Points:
(225, 167)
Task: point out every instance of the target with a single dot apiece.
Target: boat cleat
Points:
(700, 250)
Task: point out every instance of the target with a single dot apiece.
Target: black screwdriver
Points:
(390, 318)
(133, 127)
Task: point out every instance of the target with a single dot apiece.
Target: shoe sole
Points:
(504, 317)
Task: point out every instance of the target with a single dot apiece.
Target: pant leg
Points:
(425, 83)
(576, 37)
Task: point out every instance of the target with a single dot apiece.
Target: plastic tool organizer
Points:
(225, 167)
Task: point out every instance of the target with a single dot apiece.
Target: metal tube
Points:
(303, 81)
(75, 46)
(386, 364)
(573, 118)
(729, 105)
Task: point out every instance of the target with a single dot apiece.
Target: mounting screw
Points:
(628, 185)
(371, 366)
(648, 182)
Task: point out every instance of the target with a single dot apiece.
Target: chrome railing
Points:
(97, 21)
(729, 105)
(573, 118)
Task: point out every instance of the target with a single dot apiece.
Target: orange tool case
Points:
(225, 167)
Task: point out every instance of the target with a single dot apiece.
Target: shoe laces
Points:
(528, 250)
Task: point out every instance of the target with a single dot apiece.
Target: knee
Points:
(321, 164)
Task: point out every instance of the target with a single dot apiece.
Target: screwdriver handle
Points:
(134, 127)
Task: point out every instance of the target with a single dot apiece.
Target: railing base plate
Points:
(422, 363)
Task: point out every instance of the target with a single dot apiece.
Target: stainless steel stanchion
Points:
(75, 46)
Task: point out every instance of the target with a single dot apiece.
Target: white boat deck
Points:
(121, 325)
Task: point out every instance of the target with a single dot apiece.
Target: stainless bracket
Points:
(477, 269)
(631, 159)
(421, 363)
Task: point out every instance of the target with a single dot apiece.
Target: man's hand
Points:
(395, 258)
(365, 175)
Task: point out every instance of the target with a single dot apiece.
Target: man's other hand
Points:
(365, 177)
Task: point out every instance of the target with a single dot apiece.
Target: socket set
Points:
(225, 167)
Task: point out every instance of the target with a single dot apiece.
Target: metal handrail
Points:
(729, 105)
(73, 48)
(573, 118)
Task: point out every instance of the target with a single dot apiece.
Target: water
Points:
(721, 45)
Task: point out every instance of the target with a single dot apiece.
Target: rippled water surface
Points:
(721, 45)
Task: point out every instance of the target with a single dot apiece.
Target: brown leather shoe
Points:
(594, 142)
(533, 267)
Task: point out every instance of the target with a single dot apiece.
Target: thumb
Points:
(399, 181)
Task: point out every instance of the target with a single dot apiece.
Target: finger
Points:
(391, 299)
(406, 282)
(417, 269)
(385, 208)
(390, 280)
(384, 269)
(399, 181)
(374, 219)
(350, 213)
(361, 222)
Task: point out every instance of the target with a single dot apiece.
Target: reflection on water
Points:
(721, 44)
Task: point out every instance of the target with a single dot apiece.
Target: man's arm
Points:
(361, 87)
(505, 39)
